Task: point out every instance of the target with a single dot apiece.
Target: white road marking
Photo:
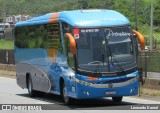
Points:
(140, 100)
(40, 102)
(8, 78)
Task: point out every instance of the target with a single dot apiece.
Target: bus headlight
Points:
(77, 80)
(82, 82)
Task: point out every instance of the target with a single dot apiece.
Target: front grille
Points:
(115, 80)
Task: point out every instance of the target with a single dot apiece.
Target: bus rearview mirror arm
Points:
(140, 38)
(72, 43)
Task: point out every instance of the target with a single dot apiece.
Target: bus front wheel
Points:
(66, 98)
(117, 99)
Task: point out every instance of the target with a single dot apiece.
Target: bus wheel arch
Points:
(61, 84)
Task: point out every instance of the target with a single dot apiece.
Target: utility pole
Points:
(136, 12)
(151, 27)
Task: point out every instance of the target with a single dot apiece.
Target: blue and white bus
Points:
(80, 54)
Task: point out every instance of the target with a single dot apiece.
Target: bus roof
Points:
(81, 18)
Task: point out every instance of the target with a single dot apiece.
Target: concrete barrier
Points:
(152, 83)
(8, 67)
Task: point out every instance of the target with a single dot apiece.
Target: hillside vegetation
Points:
(126, 7)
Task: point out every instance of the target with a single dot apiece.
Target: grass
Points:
(6, 44)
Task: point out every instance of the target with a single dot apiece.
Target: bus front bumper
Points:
(106, 90)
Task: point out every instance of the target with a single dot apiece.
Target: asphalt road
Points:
(11, 93)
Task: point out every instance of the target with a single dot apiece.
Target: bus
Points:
(78, 54)
(6, 31)
(4, 26)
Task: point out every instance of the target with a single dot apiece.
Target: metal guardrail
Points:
(149, 62)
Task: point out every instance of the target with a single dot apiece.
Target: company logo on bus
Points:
(76, 36)
(110, 85)
(76, 33)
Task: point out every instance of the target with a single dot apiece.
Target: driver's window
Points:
(69, 55)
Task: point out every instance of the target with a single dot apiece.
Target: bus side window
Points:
(54, 36)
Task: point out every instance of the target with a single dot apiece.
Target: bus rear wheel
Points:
(117, 99)
(30, 87)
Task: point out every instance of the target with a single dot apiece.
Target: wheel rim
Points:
(65, 95)
(30, 86)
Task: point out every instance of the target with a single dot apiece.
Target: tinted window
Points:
(38, 36)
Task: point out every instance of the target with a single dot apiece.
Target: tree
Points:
(156, 13)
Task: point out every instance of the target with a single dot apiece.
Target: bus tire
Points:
(31, 92)
(66, 99)
(117, 99)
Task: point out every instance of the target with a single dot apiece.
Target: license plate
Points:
(111, 92)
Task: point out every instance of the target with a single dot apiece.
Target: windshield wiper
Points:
(101, 57)
(112, 56)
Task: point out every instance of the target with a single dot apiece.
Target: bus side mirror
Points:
(72, 43)
(140, 38)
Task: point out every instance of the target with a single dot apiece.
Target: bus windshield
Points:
(103, 50)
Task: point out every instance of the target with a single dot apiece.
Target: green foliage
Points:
(145, 28)
(126, 7)
(6, 44)
(40, 7)
(156, 12)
